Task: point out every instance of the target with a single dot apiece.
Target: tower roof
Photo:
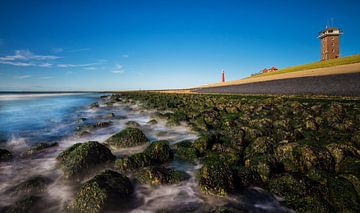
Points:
(329, 31)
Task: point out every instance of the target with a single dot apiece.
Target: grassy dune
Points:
(320, 64)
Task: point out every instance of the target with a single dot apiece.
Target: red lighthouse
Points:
(222, 76)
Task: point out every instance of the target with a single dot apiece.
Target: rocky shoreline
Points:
(305, 152)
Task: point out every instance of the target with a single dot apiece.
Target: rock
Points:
(102, 124)
(297, 194)
(132, 162)
(342, 195)
(5, 155)
(301, 158)
(217, 175)
(31, 186)
(155, 175)
(203, 144)
(38, 148)
(262, 164)
(128, 137)
(133, 124)
(350, 166)
(152, 122)
(340, 151)
(83, 157)
(24, 204)
(261, 145)
(159, 151)
(185, 151)
(248, 177)
(101, 192)
(94, 105)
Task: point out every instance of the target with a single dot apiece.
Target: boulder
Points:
(152, 122)
(31, 186)
(340, 152)
(132, 162)
(5, 155)
(38, 148)
(133, 124)
(159, 151)
(155, 175)
(83, 157)
(217, 176)
(94, 105)
(203, 144)
(101, 192)
(128, 137)
(342, 196)
(24, 204)
(296, 193)
(184, 150)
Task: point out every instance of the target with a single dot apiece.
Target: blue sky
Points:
(133, 44)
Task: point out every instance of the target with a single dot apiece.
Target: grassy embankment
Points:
(320, 64)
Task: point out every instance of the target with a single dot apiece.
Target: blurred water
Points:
(39, 117)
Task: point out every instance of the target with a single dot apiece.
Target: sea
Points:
(27, 119)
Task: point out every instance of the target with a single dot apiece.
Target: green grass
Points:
(320, 64)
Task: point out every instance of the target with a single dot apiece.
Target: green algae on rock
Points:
(31, 186)
(128, 137)
(159, 151)
(83, 157)
(132, 162)
(155, 175)
(101, 192)
(38, 148)
(218, 176)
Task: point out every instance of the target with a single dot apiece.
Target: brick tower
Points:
(329, 43)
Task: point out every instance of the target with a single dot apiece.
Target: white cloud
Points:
(20, 64)
(118, 69)
(45, 65)
(26, 55)
(22, 76)
(76, 65)
(46, 77)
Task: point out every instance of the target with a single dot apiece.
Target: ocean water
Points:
(28, 119)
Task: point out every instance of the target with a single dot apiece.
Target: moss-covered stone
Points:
(132, 162)
(155, 175)
(128, 137)
(24, 204)
(152, 122)
(340, 152)
(31, 186)
(185, 151)
(5, 155)
(101, 192)
(159, 151)
(247, 177)
(342, 195)
(38, 148)
(83, 157)
(297, 194)
(218, 175)
(262, 164)
(203, 144)
(133, 124)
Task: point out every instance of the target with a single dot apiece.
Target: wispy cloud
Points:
(125, 56)
(20, 64)
(46, 77)
(45, 65)
(76, 65)
(27, 55)
(118, 69)
(22, 76)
